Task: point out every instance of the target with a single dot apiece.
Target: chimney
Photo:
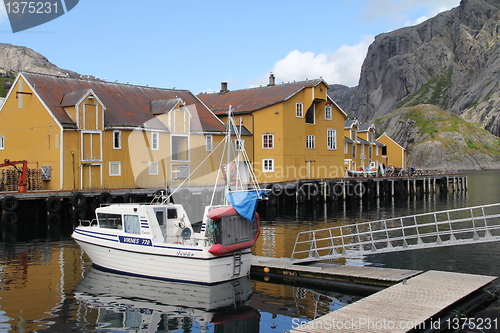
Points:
(223, 88)
(272, 80)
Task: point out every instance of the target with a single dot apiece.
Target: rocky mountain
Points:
(436, 139)
(15, 59)
(451, 60)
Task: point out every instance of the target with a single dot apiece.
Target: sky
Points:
(197, 44)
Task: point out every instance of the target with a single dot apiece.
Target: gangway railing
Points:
(469, 225)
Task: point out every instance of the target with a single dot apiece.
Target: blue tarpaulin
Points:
(245, 203)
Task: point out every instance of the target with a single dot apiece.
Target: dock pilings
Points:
(322, 190)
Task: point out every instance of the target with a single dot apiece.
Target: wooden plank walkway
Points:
(329, 271)
(401, 307)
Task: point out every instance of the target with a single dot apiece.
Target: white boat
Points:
(158, 239)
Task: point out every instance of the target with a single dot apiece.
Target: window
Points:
(310, 141)
(362, 149)
(110, 221)
(155, 142)
(311, 115)
(299, 110)
(346, 148)
(131, 223)
(328, 112)
(2, 142)
(239, 145)
(180, 148)
(268, 141)
(353, 151)
(115, 168)
(268, 165)
(117, 140)
(331, 139)
(153, 168)
(354, 135)
(208, 143)
(370, 152)
(376, 150)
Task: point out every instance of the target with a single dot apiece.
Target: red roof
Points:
(249, 100)
(126, 105)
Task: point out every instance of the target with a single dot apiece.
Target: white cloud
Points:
(404, 11)
(340, 67)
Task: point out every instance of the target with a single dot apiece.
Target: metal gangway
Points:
(469, 225)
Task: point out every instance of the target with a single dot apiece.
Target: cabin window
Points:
(299, 110)
(331, 139)
(131, 223)
(268, 165)
(2, 142)
(117, 140)
(310, 141)
(153, 168)
(172, 213)
(110, 221)
(328, 112)
(155, 141)
(268, 141)
(208, 143)
(115, 168)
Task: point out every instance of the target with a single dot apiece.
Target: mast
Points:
(228, 157)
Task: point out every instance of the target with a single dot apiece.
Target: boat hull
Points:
(174, 262)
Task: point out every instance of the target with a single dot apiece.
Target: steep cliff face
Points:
(437, 140)
(451, 60)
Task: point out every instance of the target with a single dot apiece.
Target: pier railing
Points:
(445, 228)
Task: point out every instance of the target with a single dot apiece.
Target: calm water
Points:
(48, 285)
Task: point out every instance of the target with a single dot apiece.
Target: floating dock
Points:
(413, 300)
(406, 306)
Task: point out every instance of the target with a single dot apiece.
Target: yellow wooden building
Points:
(87, 134)
(362, 151)
(297, 128)
(394, 153)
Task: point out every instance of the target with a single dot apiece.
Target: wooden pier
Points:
(411, 299)
(408, 305)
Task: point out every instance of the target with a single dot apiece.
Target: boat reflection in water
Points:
(135, 304)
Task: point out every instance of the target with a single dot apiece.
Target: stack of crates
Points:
(8, 179)
(34, 179)
(10, 176)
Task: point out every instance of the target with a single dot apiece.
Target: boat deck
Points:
(401, 307)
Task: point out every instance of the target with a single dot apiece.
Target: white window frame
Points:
(299, 110)
(268, 165)
(153, 168)
(119, 165)
(209, 143)
(310, 141)
(376, 150)
(155, 140)
(331, 139)
(270, 146)
(117, 139)
(2, 142)
(346, 148)
(239, 144)
(328, 112)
